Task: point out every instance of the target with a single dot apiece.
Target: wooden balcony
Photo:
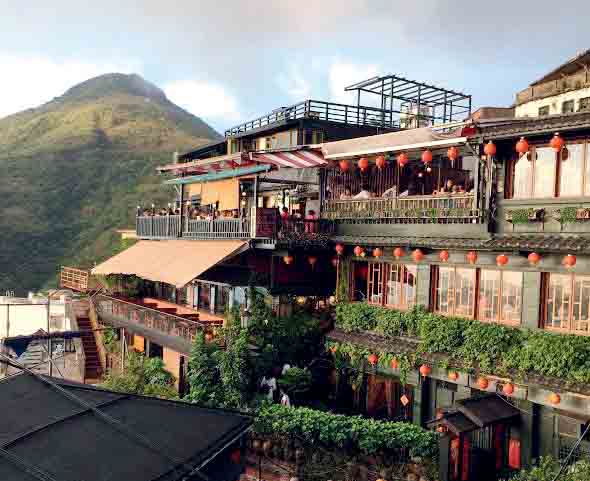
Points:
(75, 279)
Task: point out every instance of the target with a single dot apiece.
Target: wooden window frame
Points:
(453, 291)
(511, 173)
(383, 276)
(570, 322)
(500, 318)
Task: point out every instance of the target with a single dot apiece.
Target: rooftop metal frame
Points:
(418, 104)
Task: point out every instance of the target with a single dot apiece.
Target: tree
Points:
(142, 375)
(203, 374)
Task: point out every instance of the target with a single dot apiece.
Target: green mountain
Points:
(73, 170)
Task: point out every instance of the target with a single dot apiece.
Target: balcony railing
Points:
(158, 226)
(217, 229)
(74, 279)
(316, 109)
(443, 209)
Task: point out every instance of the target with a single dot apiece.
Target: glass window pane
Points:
(558, 301)
(570, 182)
(581, 316)
(489, 295)
(394, 285)
(410, 273)
(544, 184)
(511, 296)
(444, 296)
(523, 171)
(464, 292)
(375, 284)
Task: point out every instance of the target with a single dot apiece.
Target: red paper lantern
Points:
(554, 398)
(443, 256)
(471, 257)
(453, 375)
(372, 358)
(569, 261)
(358, 250)
(363, 164)
(344, 165)
(402, 160)
(380, 161)
(522, 146)
(339, 249)
(425, 370)
(534, 258)
(418, 255)
(398, 253)
(482, 383)
(377, 252)
(508, 389)
(490, 149)
(312, 260)
(394, 363)
(335, 261)
(557, 143)
(333, 349)
(427, 156)
(502, 260)
(288, 260)
(453, 153)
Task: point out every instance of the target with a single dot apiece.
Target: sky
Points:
(229, 61)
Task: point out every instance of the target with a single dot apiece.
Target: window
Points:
(567, 107)
(500, 296)
(392, 285)
(584, 104)
(455, 291)
(543, 110)
(567, 303)
(540, 174)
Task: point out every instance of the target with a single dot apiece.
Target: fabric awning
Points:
(175, 262)
(295, 159)
(392, 142)
(207, 164)
(224, 174)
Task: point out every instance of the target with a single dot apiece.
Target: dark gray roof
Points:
(45, 428)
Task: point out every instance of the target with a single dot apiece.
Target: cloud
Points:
(206, 100)
(343, 73)
(28, 81)
(294, 83)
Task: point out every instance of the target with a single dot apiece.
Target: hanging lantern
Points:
(534, 258)
(443, 256)
(358, 251)
(490, 149)
(363, 164)
(554, 398)
(333, 349)
(471, 257)
(425, 370)
(418, 255)
(427, 157)
(312, 260)
(569, 261)
(380, 161)
(453, 375)
(453, 154)
(344, 165)
(522, 146)
(372, 358)
(377, 252)
(557, 143)
(402, 159)
(335, 261)
(394, 363)
(398, 253)
(508, 389)
(482, 383)
(502, 260)
(339, 249)
(288, 260)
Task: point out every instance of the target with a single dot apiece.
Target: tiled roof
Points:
(537, 125)
(525, 242)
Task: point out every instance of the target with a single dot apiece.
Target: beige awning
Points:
(175, 262)
(424, 137)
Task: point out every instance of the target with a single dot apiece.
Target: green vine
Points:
(342, 289)
(521, 216)
(566, 215)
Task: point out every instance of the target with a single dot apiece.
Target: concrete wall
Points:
(531, 108)
(172, 363)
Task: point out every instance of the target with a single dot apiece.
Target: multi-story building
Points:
(248, 213)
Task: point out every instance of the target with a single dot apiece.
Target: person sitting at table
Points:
(365, 193)
(391, 192)
(346, 195)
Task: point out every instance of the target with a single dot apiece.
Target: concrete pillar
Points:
(421, 401)
(423, 285)
(212, 299)
(529, 431)
(531, 299)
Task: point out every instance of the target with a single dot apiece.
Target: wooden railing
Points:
(98, 333)
(74, 279)
(135, 313)
(217, 229)
(420, 208)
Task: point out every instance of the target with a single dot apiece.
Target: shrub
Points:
(356, 316)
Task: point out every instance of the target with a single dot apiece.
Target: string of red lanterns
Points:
(288, 260)
(344, 165)
(425, 370)
(569, 261)
(418, 255)
(444, 256)
(490, 149)
(557, 143)
(471, 257)
(377, 252)
(502, 260)
(398, 253)
(522, 146)
(312, 261)
(358, 251)
(339, 249)
(363, 164)
(427, 157)
(533, 258)
(373, 359)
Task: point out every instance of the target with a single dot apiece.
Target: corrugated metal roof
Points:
(224, 174)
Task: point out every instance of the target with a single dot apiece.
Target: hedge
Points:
(491, 348)
(336, 430)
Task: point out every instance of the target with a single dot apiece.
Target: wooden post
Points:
(123, 348)
(182, 214)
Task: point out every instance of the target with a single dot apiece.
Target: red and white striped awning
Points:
(295, 159)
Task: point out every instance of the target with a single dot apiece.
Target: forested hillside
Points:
(73, 170)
